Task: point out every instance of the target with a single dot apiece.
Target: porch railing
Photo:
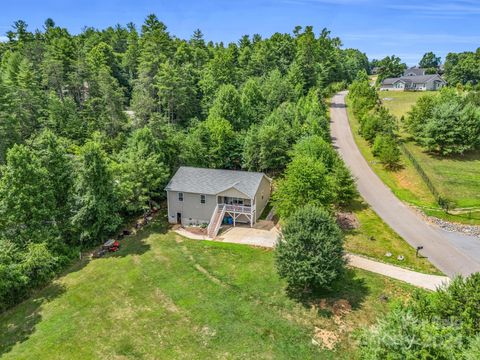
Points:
(244, 209)
(216, 220)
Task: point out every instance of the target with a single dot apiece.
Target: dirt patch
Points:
(201, 269)
(166, 301)
(197, 230)
(325, 338)
(208, 275)
(264, 225)
(136, 259)
(341, 307)
(207, 334)
(404, 181)
(347, 221)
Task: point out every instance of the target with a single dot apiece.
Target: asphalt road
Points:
(451, 253)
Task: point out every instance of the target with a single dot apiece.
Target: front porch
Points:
(238, 209)
(235, 209)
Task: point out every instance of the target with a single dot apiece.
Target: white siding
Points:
(232, 192)
(262, 196)
(192, 210)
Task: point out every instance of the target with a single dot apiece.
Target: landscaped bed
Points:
(162, 296)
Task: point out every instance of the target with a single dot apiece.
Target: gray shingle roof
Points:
(421, 79)
(415, 70)
(390, 81)
(213, 181)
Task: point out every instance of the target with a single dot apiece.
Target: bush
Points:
(473, 352)
(402, 335)
(446, 123)
(363, 97)
(386, 149)
(459, 302)
(310, 255)
(436, 325)
(378, 121)
(306, 181)
(39, 264)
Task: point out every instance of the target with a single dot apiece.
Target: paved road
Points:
(452, 253)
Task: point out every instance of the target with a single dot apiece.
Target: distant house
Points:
(415, 71)
(199, 196)
(413, 83)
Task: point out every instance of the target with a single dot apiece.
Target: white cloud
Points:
(439, 8)
(386, 36)
(3, 38)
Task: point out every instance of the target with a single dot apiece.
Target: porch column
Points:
(253, 205)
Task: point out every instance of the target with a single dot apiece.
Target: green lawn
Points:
(400, 102)
(455, 178)
(373, 238)
(162, 296)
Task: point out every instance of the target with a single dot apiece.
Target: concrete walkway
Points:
(190, 235)
(268, 238)
(452, 253)
(426, 281)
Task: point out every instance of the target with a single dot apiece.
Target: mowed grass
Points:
(373, 238)
(164, 297)
(456, 178)
(400, 102)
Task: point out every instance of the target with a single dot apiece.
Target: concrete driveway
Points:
(452, 253)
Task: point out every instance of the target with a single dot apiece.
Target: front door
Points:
(179, 218)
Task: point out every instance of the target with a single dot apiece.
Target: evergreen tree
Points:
(96, 204)
(141, 171)
(310, 255)
(27, 199)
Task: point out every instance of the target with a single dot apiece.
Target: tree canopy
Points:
(92, 125)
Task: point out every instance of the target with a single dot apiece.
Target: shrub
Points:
(310, 254)
(39, 264)
(306, 181)
(386, 149)
(436, 325)
(473, 352)
(378, 121)
(458, 302)
(402, 335)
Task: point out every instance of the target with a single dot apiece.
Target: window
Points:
(202, 199)
(180, 196)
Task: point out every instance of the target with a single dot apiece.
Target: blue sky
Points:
(406, 28)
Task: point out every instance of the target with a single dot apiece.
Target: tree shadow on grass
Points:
(136, 244)
(19, 323)
(357, 204)
(348, 287)
(338, 105)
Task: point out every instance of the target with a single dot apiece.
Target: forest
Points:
(92, 126)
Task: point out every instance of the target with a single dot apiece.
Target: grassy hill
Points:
(163, 296)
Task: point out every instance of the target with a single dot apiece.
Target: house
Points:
(415, 71)
(199, 196)
(413, 83)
